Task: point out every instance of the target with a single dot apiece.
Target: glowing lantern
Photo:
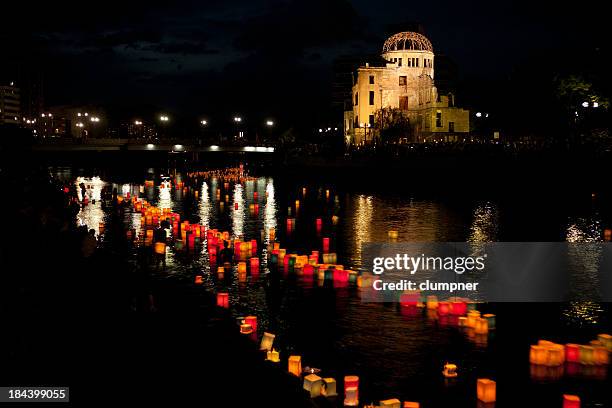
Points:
(266, 341)
(101, 227)
(212, 252)
(255, 195)
(458, 308)
(198, 279)
(449, 371)
(537, 354)
(241, 267)
(254, 265)
(314, 384)
(572, 353)
(319, 224)
(351, 390)
(393, 234)
(326, 193)
(308, 270)
(334, 219)
(411, 404)
(160, 248)
(223, 299)
(272, 234)
(325, 245)
(295, 365)
(351, 397)
(251, 320)
(600, 355)
(462, 321)
(246, 329)
(481, 326)
(329, 387)
(485, 390)
(606, 340)
(409, 299)
(571, 401)
(390, 403)
(471, 318)
(586, 355)
(235, 206)
(443, 308)
(432, 302)
(273, 356)
(607, 234)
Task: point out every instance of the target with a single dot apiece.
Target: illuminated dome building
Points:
(405, 81)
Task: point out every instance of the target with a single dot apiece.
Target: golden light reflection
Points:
(269, 211)
(238, 213)
(484, 223)
(364, 210)
(91, 214)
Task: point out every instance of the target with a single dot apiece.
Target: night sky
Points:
(263, 58)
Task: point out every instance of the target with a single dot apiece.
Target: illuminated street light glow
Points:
(595, 104)
(214, 147)
(478, 114)
(150, 146)
(237, 119)
(137, 122)
(270, 123)
(320, 130)
(585, 104)
(203, 122)
(164, 118)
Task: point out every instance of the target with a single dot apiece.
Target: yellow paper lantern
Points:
(537, 354)
(481, 326)
(273, 356)
(329, 387)
(266, 341)
(485, 390)
(600, 355)
(314, 384)
(606, 340)
(160, 248)
(411, 404)
(295, 365)
(390, 403)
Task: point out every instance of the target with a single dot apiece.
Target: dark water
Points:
(396, 355)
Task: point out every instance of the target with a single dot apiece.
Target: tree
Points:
(394, 125)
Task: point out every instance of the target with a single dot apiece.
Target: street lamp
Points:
(138, 122)
(269, 123)
(237, 119)
(203, 122)
(164, 118)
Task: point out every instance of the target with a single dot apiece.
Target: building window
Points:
(402, 80)
(371, 79)
(399, 62)
(356, 98)
(356, 124)
(438, 119)
(371, 97)
(371, 120)
(417, 62)
(403, 102)
(451, 127)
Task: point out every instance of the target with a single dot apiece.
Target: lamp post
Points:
(238, 121)
(164, 119)
(203, 124)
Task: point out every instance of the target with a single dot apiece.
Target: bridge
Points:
(168, 146)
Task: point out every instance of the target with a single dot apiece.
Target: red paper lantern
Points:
(319, 224)
(223, 299)
(325, 245)
(443, 308)
(198, 279)
(254, 265)
(458, 308)
(571, 401)
(409, 299)
(572, 353)
(252, 320)
(308, 270)
(255, 195)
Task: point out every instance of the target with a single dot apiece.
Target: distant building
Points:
(137, 129)
(10, 104)
(404, 81)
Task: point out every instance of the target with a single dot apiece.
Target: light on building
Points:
(269, 123)
(137, 122)
(150, 146)
(237, 119)
(320, 130)
(43, 115)
(86, 114)
(478, 114)
(79, 114)
(595, 104)
(203, 122)
(585, 104)
(214, 147)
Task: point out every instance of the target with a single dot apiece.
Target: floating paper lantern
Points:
(314, 384)
(586, 355)
(160, 248)
(600, 355)
(481, 326)
(462, 321)
(571, 401)
(443, 308)
(409, 299)
(254, 265)
(308, 270)
(273, 356)
(607, 234)
(329, 387)
(246, 329)
(325, 245)
(411, 404)
(252, 321)
(471, 318)
(572, 353)
(606, 340)
(351, 397)
(390, 403)
(432, 302)
(295, 365)
(319, 224)
(537, 354)
(458, 308)
(255, 195)
(351, 390)
(198, 279)
(235, 206)
(485, 390)
(223, 299)
(449, 371)
(241, 267)
(393, 234)
(266, 341)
